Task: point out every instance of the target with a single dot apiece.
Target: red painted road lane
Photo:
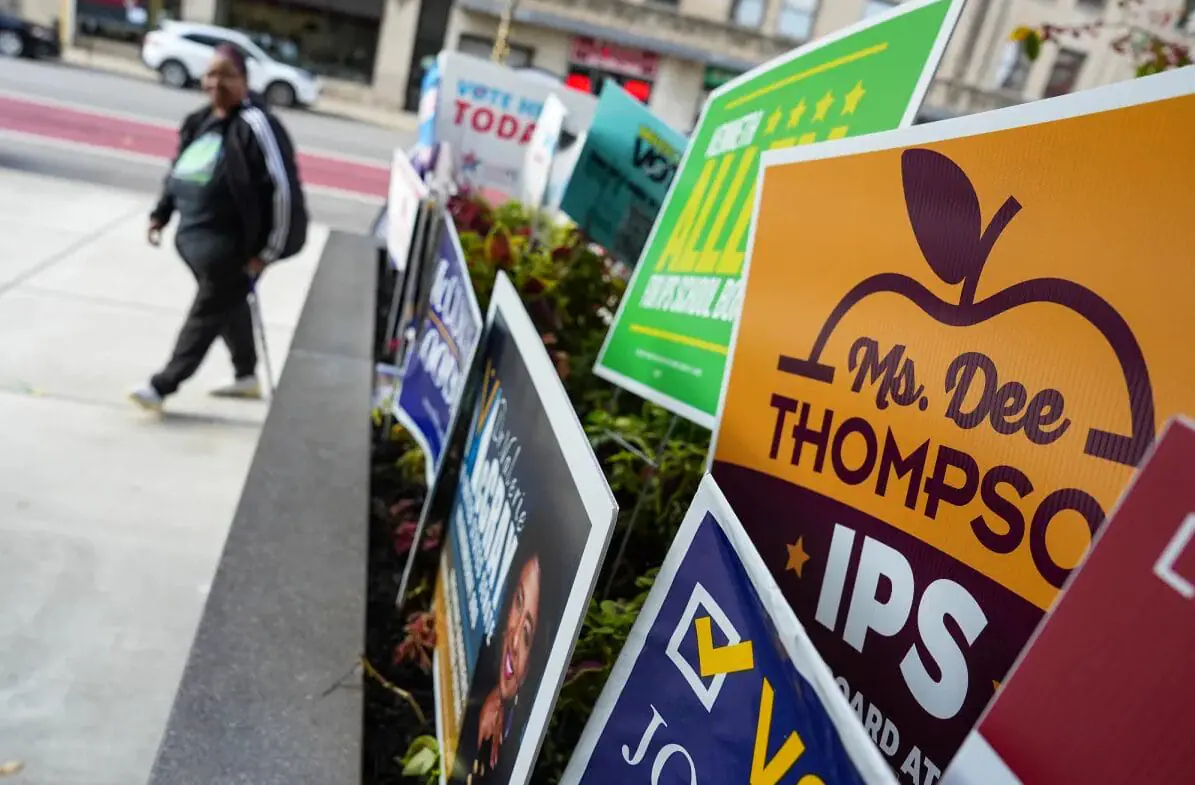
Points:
(72, 125)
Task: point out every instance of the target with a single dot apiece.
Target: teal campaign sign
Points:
(623, 173)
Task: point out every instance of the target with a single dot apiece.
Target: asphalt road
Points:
(155, 103)
(119, 171)
(108, 129)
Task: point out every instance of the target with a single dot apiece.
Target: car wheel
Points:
(280, 94)
(11, 43)
(174, 74)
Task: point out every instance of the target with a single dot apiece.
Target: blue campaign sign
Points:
(429, 94)
(438, 364)
(623, 173)
(718, 682)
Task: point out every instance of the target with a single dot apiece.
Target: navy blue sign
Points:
(718, 682)
(438, 363)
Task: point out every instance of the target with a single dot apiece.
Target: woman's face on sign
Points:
(519, 634)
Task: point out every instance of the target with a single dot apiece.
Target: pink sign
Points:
(1102, 695)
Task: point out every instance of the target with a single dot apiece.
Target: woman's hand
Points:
(490, 726)
(155, 233)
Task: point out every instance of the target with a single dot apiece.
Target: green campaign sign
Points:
(670, 338)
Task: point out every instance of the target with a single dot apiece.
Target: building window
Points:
(592, 62)
(1065, 73)
(796, 18)
(480, 46)
(715, 77)
(605, 56)
(1018, 75)
(327, 42)
(590, 80)
(747, 13)
(429, 40)
(877, 7)
(1012, 70)
(125, 20)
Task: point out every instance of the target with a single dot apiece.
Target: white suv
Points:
(180, 53)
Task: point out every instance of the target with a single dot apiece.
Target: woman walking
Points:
(235, 187)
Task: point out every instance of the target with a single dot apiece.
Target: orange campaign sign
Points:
(957, 342)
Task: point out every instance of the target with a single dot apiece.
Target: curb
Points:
(325, 107)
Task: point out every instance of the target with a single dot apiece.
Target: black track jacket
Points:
(259, 164)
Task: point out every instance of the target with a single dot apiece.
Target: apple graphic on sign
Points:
(947, 221)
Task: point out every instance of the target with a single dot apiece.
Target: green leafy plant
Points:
(570, 291)
(606, 628)
(566, 284)
(422, 760)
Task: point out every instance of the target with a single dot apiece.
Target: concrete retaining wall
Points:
(271, 692)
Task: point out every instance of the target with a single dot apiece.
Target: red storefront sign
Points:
(1103, 694)
(604, 56)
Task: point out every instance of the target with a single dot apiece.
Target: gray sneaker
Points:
(147, 398)
(245, 388)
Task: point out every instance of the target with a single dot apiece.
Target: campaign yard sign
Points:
(528, 528)
(568, 151)
(437, 366)
(670, 338)
(623, 173)
(1102, 694)
(429, 99)
(385, 380)
(941, 406)
(406, 193)
(718, 682)
(487, 113)
(537, 168)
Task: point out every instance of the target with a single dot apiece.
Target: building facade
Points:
(672, 53)
(983, 69)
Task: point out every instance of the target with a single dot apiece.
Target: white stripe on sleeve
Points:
(273, 155)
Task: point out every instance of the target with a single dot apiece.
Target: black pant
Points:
(221, 309)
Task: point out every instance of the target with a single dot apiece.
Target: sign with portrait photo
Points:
(670, 338)
(529, 524)
(718, 682)
(541, 152)
(944, 392)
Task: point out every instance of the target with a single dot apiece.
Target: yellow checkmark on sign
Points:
(713, 660)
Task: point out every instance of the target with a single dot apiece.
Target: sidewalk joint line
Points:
(116, 302)
(168, 419)
(67, 252)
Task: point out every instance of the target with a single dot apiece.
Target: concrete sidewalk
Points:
(111, 521)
